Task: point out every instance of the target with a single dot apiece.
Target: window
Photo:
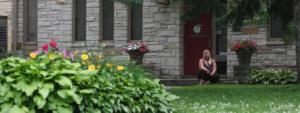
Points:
(3, 35)
(136, 21)
(79, 20)
(30, 20)
(276, 28)
(108, 20)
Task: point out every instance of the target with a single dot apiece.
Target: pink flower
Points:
(65, 53)
(45, 47)
(36, 52)
(53, 43)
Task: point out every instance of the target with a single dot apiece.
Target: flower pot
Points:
(241, 73)
(137, 58)
(244, 58)
(250, 30)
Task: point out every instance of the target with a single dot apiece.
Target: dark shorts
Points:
(202, 75)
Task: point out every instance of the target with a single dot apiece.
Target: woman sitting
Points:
(207, 69)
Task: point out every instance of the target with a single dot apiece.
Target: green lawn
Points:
(237, 99)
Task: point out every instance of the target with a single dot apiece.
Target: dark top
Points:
(209, 66)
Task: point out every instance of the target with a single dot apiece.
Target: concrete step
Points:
(194, 76)
(192, 81)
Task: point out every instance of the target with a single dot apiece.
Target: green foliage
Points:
(273, 75)
(290, 33)
(262, 17)
(240, 12)
(51, 83)
(193, 8)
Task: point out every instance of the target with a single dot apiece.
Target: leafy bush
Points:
(273, 75)
(50, 82)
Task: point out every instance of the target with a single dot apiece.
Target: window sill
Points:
(107, 43)
(134, 40)
(79, 44)
(30, 42)
(275, 41)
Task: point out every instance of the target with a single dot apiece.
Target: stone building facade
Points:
(8, 22)
(162, 30)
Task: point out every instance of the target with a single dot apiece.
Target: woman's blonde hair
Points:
(203, 54)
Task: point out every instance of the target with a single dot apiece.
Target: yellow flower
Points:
(120, 68)
(51, 56)
(92, 67)
(109, 65)
(84, 57)
(32, 55)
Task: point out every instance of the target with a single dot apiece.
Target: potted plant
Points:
(244, 50)
(136, 51)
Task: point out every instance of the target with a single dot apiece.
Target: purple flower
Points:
(65, 53)
(36, 52)
(71, 55)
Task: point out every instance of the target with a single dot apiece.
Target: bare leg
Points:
(202, 82)
(207, 82)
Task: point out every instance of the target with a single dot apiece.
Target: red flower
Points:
(237, 46)
(45, 47)
(53, 43)
(142, 50)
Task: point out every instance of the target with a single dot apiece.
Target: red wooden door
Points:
(197, 37)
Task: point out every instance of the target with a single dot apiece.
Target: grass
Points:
(238, 99)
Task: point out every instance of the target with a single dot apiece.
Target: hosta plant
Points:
(273, 76)
(50, 81)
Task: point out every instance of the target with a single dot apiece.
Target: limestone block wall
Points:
(7, 10)
(271, 52)
(20, 25)
(6, 7)
(161, 30)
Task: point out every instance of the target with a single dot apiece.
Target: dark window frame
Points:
(28, 23)
(107, 20)
(274, 33)
(82, 36)
(131, 21)
(4, 36)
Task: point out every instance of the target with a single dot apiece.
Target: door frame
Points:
(10, 32)
(213, 45)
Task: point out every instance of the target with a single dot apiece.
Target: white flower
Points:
(129, 48)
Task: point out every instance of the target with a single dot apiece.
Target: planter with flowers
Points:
(244, 50)
(136, 51)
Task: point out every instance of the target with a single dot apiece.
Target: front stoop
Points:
(192, 81)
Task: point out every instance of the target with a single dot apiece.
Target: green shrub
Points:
(273, 75)
(51, 83)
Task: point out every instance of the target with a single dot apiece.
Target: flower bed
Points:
(66, 82)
